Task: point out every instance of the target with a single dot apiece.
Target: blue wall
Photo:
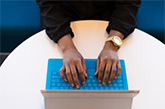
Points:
(151, 18)
(19, 20)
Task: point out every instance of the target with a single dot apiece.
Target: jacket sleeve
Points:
(54, 19)
(123, 18)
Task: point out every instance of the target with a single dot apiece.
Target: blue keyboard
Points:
(55, 82)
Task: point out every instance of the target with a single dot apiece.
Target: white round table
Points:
(23, 73)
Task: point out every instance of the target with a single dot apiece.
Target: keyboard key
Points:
(94, 80)
(120, 85)
(119, 81)
(99, 84)
(111, 88)
(102, 88)
(91, 88)
(53, 84)
(61, 88)
(106, 88)
(121, 88)
(115, 85)
(89, 84)
(88, 80)
(90, 76)
(57, 80)
(119, 77)
(116, 88)
(53, 80)
(64, 84)
(86, 88)
(53, 72)
(96, 88)
(94, 84)
(58, 84)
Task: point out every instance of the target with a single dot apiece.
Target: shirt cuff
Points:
(124, 31)
(56, 36)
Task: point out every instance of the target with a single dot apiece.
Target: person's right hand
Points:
(72, 60)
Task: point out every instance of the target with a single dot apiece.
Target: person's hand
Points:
(72, 60)
(108, 61)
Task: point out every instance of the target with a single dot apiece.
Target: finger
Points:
(107, 72)
(69, 76)
(113, 70)
(97, 67)
(85, 68)
(74, 75)
(118, 69)
(81, 72)
(62, 73)
(101, 70)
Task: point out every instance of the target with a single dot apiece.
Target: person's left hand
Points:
(108, 60)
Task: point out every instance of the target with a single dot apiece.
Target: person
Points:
(56, 17)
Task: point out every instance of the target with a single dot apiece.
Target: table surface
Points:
(23, 73)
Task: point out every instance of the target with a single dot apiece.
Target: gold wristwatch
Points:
(116, 41)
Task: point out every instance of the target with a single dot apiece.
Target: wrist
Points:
(66, 43)
(116, 33)
(109, 45)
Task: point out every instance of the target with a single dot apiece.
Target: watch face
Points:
(117, 40)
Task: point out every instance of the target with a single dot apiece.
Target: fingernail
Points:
(109, 82)
(65, 79)
(72, 85)
(99, 81)
(83, 82)
(115, 77)
(104, 83)
(77, 86)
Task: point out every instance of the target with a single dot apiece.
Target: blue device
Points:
(55, 82)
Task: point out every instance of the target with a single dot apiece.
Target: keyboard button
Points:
(89, 84)
(57, 80)
(115, 85)
(58, 84)
(99, 84)
(102, 88)
(88, 80)
(86, 88)
(90, 76)
(96, 88)
(116, 88)
(111, 88)
(94, 84)
(81, 88)
(120, 85)
(121, 88)
(119, 81)
(119, 77)
(106, 88)
(63, 84)
(94, 80)
(53, 84)
(53, 72)
(53, 80)
(91, 88)
(86, 84)
(61, 88)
